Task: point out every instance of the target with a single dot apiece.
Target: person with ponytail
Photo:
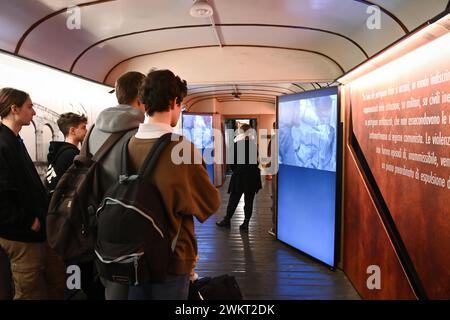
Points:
(23, 199)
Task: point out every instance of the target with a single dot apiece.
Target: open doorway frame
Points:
(230, 123)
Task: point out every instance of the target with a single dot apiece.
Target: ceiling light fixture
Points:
(236, 94)
(201, 9)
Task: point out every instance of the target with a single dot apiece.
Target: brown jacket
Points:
(186, 191)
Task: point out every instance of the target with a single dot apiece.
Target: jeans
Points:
(175, 287)
(115, 291)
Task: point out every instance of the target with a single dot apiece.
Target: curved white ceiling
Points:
(283, 41)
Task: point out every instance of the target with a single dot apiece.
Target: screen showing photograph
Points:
(308, 132)
(199, 130)
(307, 138)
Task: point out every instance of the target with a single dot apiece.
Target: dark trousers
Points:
(90, 281)
(6, 280)
(234, 201)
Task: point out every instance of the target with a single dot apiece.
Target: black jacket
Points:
(23, 197)
(246, 174)
(60, 158)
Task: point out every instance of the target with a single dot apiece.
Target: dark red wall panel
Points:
(366, 241)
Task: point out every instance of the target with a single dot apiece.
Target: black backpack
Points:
(71, 214)
(133, 243)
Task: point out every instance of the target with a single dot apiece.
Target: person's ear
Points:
(14, 109)
(173, 103)
(141, 106)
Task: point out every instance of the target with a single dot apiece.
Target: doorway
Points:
(234, 124)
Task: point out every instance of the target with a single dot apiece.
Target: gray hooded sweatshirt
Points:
(115, 119)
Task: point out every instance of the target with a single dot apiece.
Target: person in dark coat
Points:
(246, 177)
(61, 153)
(60, 158)
(23, 199)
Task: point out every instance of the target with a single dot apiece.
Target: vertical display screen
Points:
(307, 154)
(199, 130)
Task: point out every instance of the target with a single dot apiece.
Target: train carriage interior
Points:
(347, 101)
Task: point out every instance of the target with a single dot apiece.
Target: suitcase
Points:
(224, 287)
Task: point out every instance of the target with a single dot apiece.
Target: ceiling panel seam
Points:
(231, 90)
(233, 45)
(261, 95)
(242, 85)
(390, 14)
(218, 25)
(51, 15)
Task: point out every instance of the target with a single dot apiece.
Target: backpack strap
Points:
(84, 146)
(124, 176)
(105, 147)
(150, 161)
(173, 245)
(124, 160)
(108, 144)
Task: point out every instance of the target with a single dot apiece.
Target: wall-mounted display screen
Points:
(198, 128)
(307, 139)
(308, 128)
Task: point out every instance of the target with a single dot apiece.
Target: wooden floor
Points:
(264, 267)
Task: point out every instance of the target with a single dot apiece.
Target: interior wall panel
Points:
(366, 241)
